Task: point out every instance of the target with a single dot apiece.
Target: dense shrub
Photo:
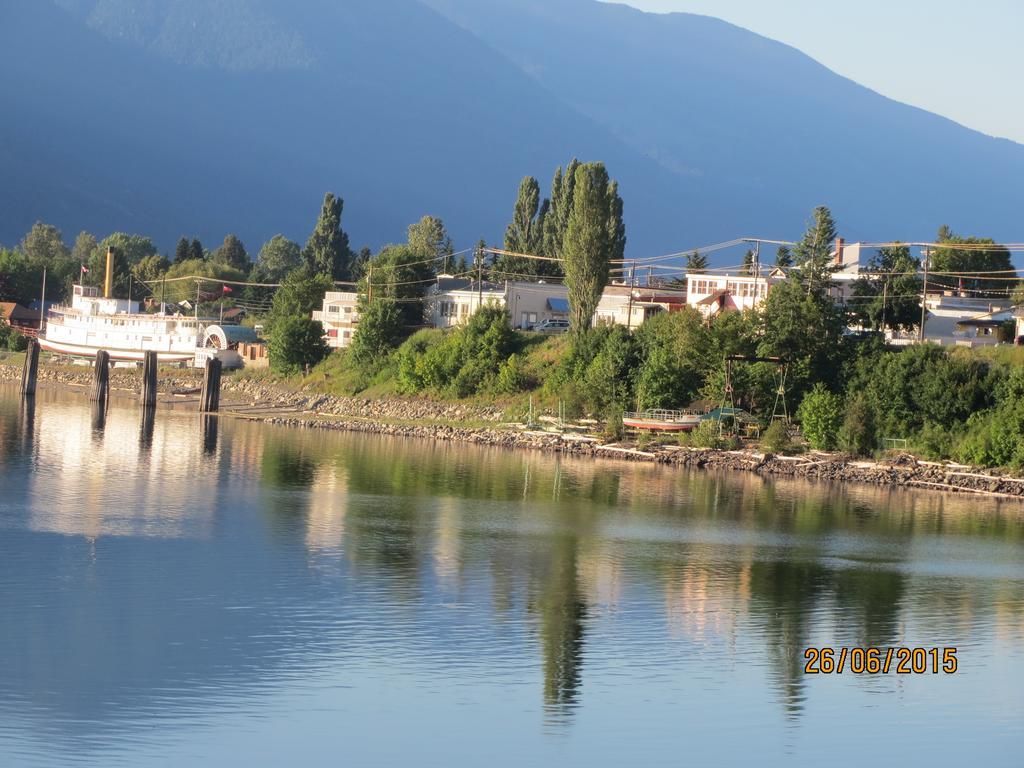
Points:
(296, 342)
(821, 415)
(857, 435)
(775, 439)
(379, 331)
(17, 342)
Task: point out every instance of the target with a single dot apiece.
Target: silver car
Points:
(552, 326)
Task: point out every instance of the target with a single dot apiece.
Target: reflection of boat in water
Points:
(660, 420)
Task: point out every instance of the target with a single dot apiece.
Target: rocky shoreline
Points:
(261, 401)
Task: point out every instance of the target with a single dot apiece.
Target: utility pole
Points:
(42, 302)
(924, 296)
(757, 268)
(885, 292)
(197, 300)
(479, 278)
(632, 287)
(163, 291)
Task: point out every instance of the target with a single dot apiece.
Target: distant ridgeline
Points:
(198, 116)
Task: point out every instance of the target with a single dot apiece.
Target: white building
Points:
(452, 301)
(710, 292)
(963, 321)
(339, 316)
(632, 305)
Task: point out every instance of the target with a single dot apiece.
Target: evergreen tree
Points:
(783, 257)
(182, 252)
(595, 236)
(525, 233)
(696, 262)
(195, 250)
(233, 254)
(812, 255)
(327, 251)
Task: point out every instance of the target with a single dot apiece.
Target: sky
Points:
(957, 58)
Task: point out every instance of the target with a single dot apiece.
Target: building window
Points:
(333, 308)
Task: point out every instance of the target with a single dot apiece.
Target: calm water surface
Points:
(185, 593)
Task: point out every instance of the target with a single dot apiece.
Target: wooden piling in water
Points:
(30, 372)
(101, 378)
(149, 380)
(209, 401)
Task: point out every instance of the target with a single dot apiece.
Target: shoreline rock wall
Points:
(378, 416)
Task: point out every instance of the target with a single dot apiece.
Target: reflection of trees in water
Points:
(562, 612)
(781, 573)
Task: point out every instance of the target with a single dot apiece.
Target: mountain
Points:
(200, 117)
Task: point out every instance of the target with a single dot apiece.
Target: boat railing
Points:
(663, 414)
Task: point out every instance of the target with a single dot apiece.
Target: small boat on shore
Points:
(661, 420)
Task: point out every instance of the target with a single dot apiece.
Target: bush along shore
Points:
(279, 404)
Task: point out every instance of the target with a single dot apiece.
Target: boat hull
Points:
(658, 425)
(136, 355)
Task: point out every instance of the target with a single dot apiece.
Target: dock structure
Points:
(149, 380)
(101, 378)
(30, 372)
(209, 401)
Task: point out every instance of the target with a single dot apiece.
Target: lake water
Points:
(190, 593)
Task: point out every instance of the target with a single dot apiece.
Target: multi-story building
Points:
(452, 301)
(338, 316)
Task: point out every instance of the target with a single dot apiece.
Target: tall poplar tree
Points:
(557, 219)
(525, 233)
(429, 238)
(595, 235)
(327, 251)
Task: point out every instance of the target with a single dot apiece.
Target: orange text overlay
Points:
(880, 661)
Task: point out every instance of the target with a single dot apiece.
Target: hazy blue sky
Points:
(958, 58)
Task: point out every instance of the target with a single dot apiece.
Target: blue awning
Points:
(558, 305)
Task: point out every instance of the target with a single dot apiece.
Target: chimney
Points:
(108, 282)
(840, 243)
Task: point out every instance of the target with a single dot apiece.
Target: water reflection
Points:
(186, 566)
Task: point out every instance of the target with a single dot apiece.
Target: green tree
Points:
(174, 291)
(233, 254)
(430, 240)
(277, 258)
(398, 273)
(805, 328)
(44, 244)
(196, 252)
(858, 434)
(821, 415)
(381, 327)
(525, 233)
(976, 256)
(594, 237)
(812, 255)
(696, 262)
(299, 295)
(327, 251)
(85, 244)
(888, 295)
(296, 343)
(150, 269)
(674, 348)
(182, 251)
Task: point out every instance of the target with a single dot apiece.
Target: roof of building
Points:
(450, 284)
(239, 333)
(10, 310)
(713, 298)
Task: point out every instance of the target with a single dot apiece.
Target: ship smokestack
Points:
(108, 282)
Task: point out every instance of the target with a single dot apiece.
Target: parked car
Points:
(552, 326)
